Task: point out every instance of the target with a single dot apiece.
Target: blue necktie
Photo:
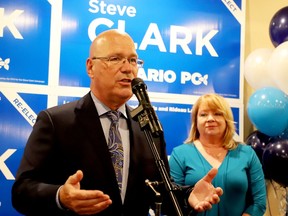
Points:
(115, 145)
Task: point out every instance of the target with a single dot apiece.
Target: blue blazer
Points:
(70, 137)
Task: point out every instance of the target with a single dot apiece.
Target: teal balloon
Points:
(267, 109)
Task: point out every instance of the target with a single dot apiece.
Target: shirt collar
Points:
(102, 109)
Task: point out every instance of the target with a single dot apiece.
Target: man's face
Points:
(111, 78)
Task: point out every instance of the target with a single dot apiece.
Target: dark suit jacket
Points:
(70, 137)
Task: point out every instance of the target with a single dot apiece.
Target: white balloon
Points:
(278, 66)
(255, 69)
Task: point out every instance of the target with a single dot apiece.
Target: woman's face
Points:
(210, 122)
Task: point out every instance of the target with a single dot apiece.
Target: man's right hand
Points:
(204, 194)
(83, 202)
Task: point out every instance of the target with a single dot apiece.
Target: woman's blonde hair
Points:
(217, 102)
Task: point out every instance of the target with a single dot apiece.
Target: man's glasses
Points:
(116, 60)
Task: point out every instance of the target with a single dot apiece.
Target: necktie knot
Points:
(113, 116)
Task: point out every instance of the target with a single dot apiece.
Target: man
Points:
(67, 169)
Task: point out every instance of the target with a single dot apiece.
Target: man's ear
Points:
(89, 66)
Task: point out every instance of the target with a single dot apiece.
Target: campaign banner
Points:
(17, 116)
(176, 121)
(176, 40)
(24, 41)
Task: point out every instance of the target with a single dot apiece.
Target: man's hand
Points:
(83, 202)
(204, 194)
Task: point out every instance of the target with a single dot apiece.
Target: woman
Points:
(210, 144)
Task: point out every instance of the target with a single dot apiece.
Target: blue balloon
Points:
(278, 29)
(258, 142)
(275, 161)
(267, 109)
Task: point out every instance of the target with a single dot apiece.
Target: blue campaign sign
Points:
(24, 41)
(176, 121)
(176, 44)
(14, 131)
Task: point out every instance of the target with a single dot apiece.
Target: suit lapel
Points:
(104, 175)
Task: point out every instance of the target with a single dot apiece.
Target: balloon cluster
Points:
(266, 70)
(273, 154)
(268, 111)
(269, 67)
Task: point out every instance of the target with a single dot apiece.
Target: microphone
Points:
(145, 115)
(139, 89)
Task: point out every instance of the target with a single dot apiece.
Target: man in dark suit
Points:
(66, 168)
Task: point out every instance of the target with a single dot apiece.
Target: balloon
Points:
(275, 161)
(277, 66)
(267, 109)
(278, 28)
(258, 142)
(255, 69)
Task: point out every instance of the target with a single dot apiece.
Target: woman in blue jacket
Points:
(210, 144)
